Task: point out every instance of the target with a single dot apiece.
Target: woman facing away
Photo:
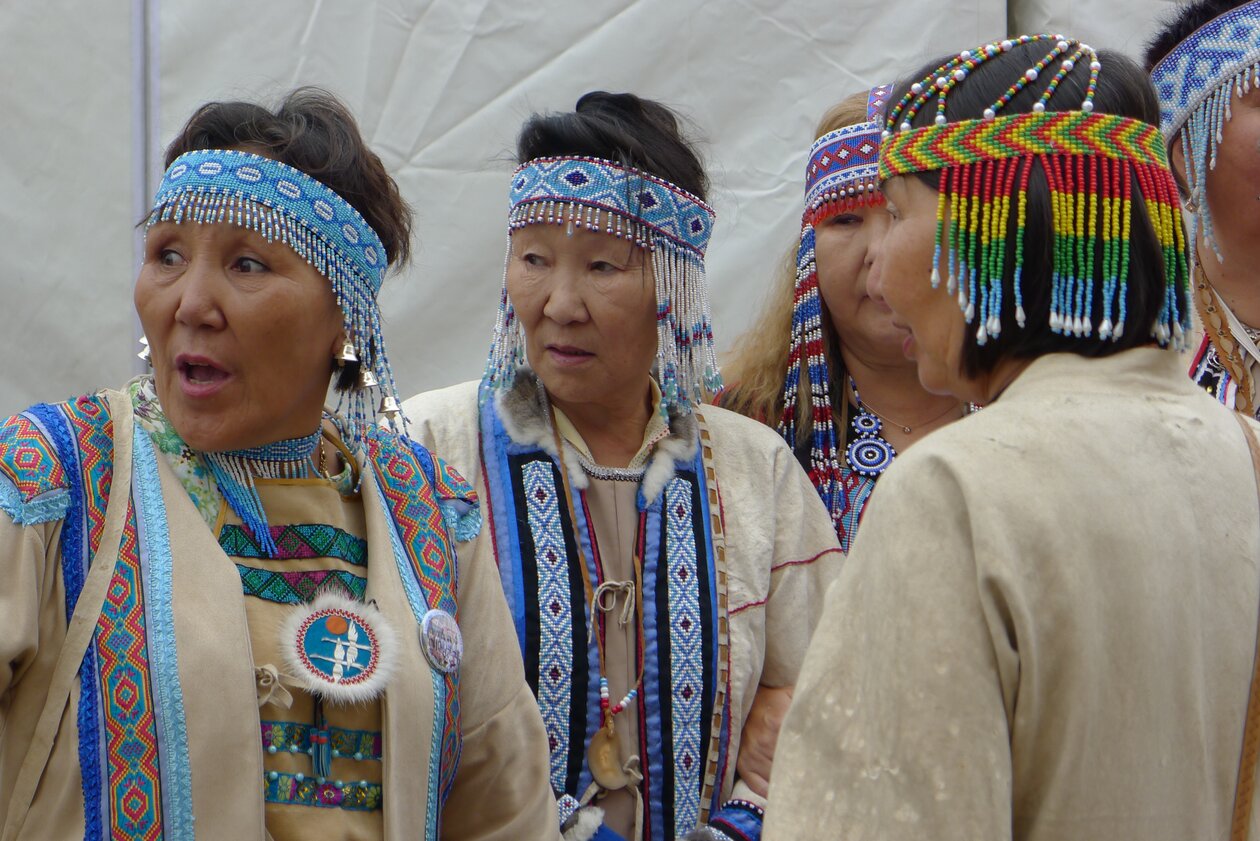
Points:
(661, 559)
(1046, 625)
(825, 354)
(227, 611)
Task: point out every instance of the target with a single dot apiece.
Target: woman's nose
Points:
(566, 303)
(199, 293)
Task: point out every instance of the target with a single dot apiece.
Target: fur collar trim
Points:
(526, 417)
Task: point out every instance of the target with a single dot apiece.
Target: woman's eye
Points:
(604, 267)
(248, 265)
(170, 258)
(844, 219)
(532, 259)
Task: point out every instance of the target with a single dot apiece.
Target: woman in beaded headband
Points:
(1205, 64)
(663, 558)
(822, 340)
(253, 623)
(1029, 598)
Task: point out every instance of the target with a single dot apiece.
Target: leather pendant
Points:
(604, 758)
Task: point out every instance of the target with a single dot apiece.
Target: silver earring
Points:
(347, 354)
(144, 354)
(366, 378)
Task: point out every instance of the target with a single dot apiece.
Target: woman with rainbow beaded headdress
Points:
(1047, 622)
(1205, 65)
(824, 353)
(227, 610)
(661, 558)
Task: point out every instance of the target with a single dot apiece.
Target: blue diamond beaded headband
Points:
(285, 204)
(606, 197)
(1196, 82)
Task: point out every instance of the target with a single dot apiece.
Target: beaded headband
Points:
(675, 226)
(287, 205)
(1195, 83)
(841, 176)
(1091, 162)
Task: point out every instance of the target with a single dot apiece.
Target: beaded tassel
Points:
(235, 471)
(609, 711)
(1091, 163)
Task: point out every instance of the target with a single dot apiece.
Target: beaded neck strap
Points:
(287, 205)
(1196, 82)
(1094, 165)
(235, 471)
(606, 197)
(842, 175)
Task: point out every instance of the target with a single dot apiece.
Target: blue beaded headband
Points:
(285, 204)
(1195, 83)
(845, 163)
(674, 225)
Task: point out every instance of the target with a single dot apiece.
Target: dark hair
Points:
(619, 127)
(1123, 89)
(313, 131)
(1181, 25)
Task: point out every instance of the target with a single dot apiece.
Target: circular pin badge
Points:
(340, 649)
(442, 641)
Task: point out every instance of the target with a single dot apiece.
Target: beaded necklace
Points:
(870, 455)
(235, 471)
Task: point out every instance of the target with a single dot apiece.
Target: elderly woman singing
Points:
(224, 608)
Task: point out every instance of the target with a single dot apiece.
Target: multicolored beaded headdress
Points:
(671, 223)
(1195, 83)
(842, 175)
(282, 203)
(1092, 163)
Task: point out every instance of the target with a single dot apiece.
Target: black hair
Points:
(313, 131)
(1181, 25)
(620, 127)
(1123, 89)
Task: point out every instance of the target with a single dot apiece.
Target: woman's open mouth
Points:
(200, 376)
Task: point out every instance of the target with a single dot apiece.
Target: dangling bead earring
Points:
(144, 355)
(367, 379)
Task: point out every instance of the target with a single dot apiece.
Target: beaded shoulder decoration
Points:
(287, 205)
(660, 217)
(1095, 164)
(841, 176)
(1196, 82)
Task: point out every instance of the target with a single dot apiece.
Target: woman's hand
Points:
(761, 734)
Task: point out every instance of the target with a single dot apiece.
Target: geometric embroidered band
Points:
(936, 147)
(299, 540)
(1221, 51)
(845, 162)
(301, 790)
(299, 587)
(295, 737)
(648, 203)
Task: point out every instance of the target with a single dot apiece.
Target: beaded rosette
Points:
(285, 204)
(842, 175)
(1196, 82)
(672, 224)
(1095, 165)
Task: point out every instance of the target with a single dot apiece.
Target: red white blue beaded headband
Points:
(1196, 82)
(1093, 164)
(602, 196)
(287, 205)
(842, 175)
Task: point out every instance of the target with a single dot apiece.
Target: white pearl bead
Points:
(940, 119)
(1095, 66)
(1069, 65)
(1039, 108)
(916, 88)
(1031, 74)
(989, 113)
(1087, 107)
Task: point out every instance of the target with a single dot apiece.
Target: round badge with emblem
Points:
(341, 650)
(441, 640)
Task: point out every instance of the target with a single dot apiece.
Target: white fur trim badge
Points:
(339, 649)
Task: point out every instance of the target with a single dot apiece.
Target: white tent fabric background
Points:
(93, 91)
